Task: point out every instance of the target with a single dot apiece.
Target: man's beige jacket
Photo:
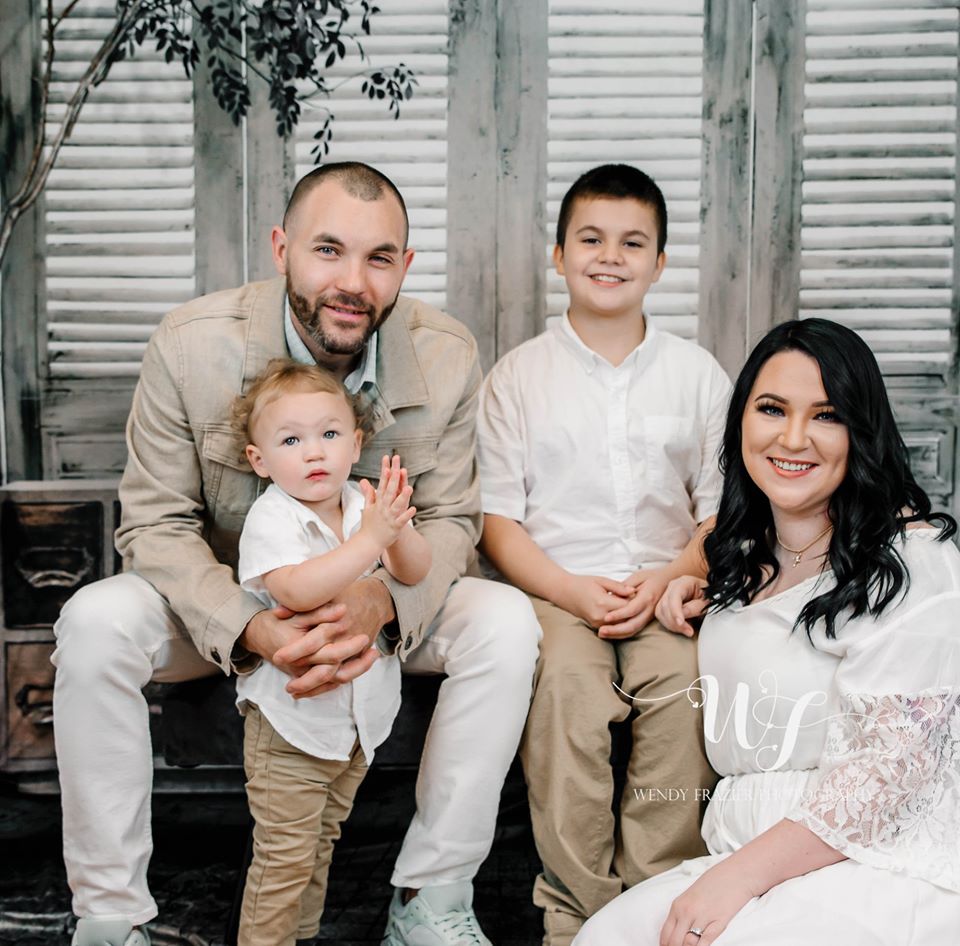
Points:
(187, 485)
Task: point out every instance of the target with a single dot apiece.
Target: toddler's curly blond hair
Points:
(283, 376)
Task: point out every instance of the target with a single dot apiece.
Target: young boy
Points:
(309, 535)
(598, 458)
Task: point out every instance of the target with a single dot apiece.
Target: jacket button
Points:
(215, 654)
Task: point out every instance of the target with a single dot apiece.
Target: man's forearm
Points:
(381, 603)
(202, 592)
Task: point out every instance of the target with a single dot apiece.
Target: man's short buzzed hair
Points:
(357, 179)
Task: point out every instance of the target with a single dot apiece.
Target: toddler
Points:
(306, 538)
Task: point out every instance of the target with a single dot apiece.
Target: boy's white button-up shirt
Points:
(609, 469)
(279, 530)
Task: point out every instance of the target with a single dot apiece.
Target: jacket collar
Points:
(265, 335)
(400, 378)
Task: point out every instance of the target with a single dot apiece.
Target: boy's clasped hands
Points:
(617, 609)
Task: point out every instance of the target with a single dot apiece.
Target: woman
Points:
(830, 662)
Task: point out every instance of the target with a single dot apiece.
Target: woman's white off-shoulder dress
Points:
(858, 739)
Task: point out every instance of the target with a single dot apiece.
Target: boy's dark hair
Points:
(357, 179)
(620, 181)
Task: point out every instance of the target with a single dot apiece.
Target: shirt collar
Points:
(365, 373)
(351, 504)
(588, 357)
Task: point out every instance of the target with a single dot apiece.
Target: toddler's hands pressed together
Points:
(387, 509)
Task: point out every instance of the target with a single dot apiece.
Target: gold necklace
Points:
(799, 552)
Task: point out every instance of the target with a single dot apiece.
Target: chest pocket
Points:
(229, 484)
(672, 449)
(417, 456)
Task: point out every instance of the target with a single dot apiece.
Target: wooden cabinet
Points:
(55, 537)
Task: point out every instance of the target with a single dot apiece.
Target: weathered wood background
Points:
(808, 151)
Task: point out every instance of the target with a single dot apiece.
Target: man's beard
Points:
(309, 316)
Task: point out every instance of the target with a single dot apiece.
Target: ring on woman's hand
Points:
(696, 931)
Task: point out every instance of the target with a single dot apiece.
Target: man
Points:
(177, 613)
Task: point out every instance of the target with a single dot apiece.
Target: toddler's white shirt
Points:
(609, 469)
(279, 530)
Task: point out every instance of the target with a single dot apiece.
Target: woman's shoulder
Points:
(933, 575)
(933, 563)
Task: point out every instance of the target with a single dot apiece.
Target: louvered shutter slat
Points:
(914, 169)
(126, 157)
(858, 5)
(116, 223)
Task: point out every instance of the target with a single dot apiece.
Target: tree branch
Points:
(36, 178)
(65, 13)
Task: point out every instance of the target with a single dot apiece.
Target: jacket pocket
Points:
(229, 487)
(417, 456)
(224, 446)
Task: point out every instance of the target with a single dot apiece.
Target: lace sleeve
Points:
(889, 792)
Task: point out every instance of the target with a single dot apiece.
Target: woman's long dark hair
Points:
(867, 509)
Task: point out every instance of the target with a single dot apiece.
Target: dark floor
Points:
(199, 847)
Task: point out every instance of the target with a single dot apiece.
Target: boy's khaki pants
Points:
(588, 858)
(298, 803)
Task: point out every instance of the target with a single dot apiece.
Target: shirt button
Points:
(215, 654)
(408, 643)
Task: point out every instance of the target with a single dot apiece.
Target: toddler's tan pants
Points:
(298, 803)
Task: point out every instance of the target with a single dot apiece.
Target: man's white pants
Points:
(116, 635)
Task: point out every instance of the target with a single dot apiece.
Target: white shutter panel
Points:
(411, 150)
(119, 204)
(625, 86)
(879, 178)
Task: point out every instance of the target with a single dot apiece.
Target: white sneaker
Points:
(109, 931)
(436, 916)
